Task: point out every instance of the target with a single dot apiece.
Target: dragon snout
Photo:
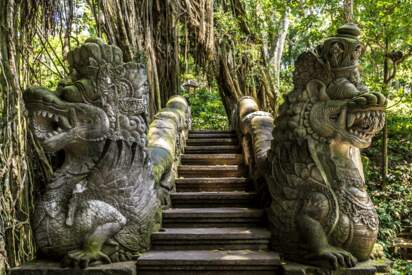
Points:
(57, 123)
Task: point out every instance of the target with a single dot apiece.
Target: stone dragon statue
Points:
(101, 205)
(320, 211)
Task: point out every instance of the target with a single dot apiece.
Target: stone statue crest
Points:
(320, 211)
(120, 89)
(101, 205)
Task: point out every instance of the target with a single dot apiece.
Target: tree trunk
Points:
(385, 159)
(3, 252)
(278, 50)
(384, 149)
(167, 45)
(234, 74)
(15, 197)
(146, 28)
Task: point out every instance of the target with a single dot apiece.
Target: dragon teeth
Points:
(351, 119)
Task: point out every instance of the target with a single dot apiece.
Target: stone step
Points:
(212, 135)
(210, 171)
(211, 238)
(211, 141)
(212, 149)
(212, 217)
(205, 262)
(48, 267)
(212, 159)
(213, 199)
(210, 131)
(212, 184)
(404, 248)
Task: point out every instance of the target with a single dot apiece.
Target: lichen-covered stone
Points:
(166, 140)
(255, 131)
(102, 204)
(365, 268)
(53, 268)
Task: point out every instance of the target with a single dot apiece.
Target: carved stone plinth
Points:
(370, 267)
(53, 268)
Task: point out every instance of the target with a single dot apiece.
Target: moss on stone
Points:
(162, 160)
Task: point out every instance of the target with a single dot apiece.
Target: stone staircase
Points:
(213, 226)
(403, 244)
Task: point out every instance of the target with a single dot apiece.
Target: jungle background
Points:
(213, 52)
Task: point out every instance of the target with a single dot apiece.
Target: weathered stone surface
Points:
(167, 137)
(211, 171)
(212, 149)
(255, 131)
(243, 262)
(370, 267)
(102, 202)
(53, 268)
(213, 199)
(211, 238)
(212, 184)
(213, 217)
(320, 212)
(212, 159)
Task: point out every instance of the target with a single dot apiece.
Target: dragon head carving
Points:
(329, 100)
(104, 99)
(321, 115)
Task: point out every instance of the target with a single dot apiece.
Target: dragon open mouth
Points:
(48, 125)
(58, 123)
(364, 124)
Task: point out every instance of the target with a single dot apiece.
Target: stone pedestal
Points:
(53, 268)
(371, 267)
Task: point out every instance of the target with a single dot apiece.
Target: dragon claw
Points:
(335, 258)
(85, 258)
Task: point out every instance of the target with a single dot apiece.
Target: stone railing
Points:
(167, 137)
(254, 129)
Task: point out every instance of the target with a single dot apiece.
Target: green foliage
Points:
(311, 21)
(401, 267)
(207, 109)
(392, 197)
